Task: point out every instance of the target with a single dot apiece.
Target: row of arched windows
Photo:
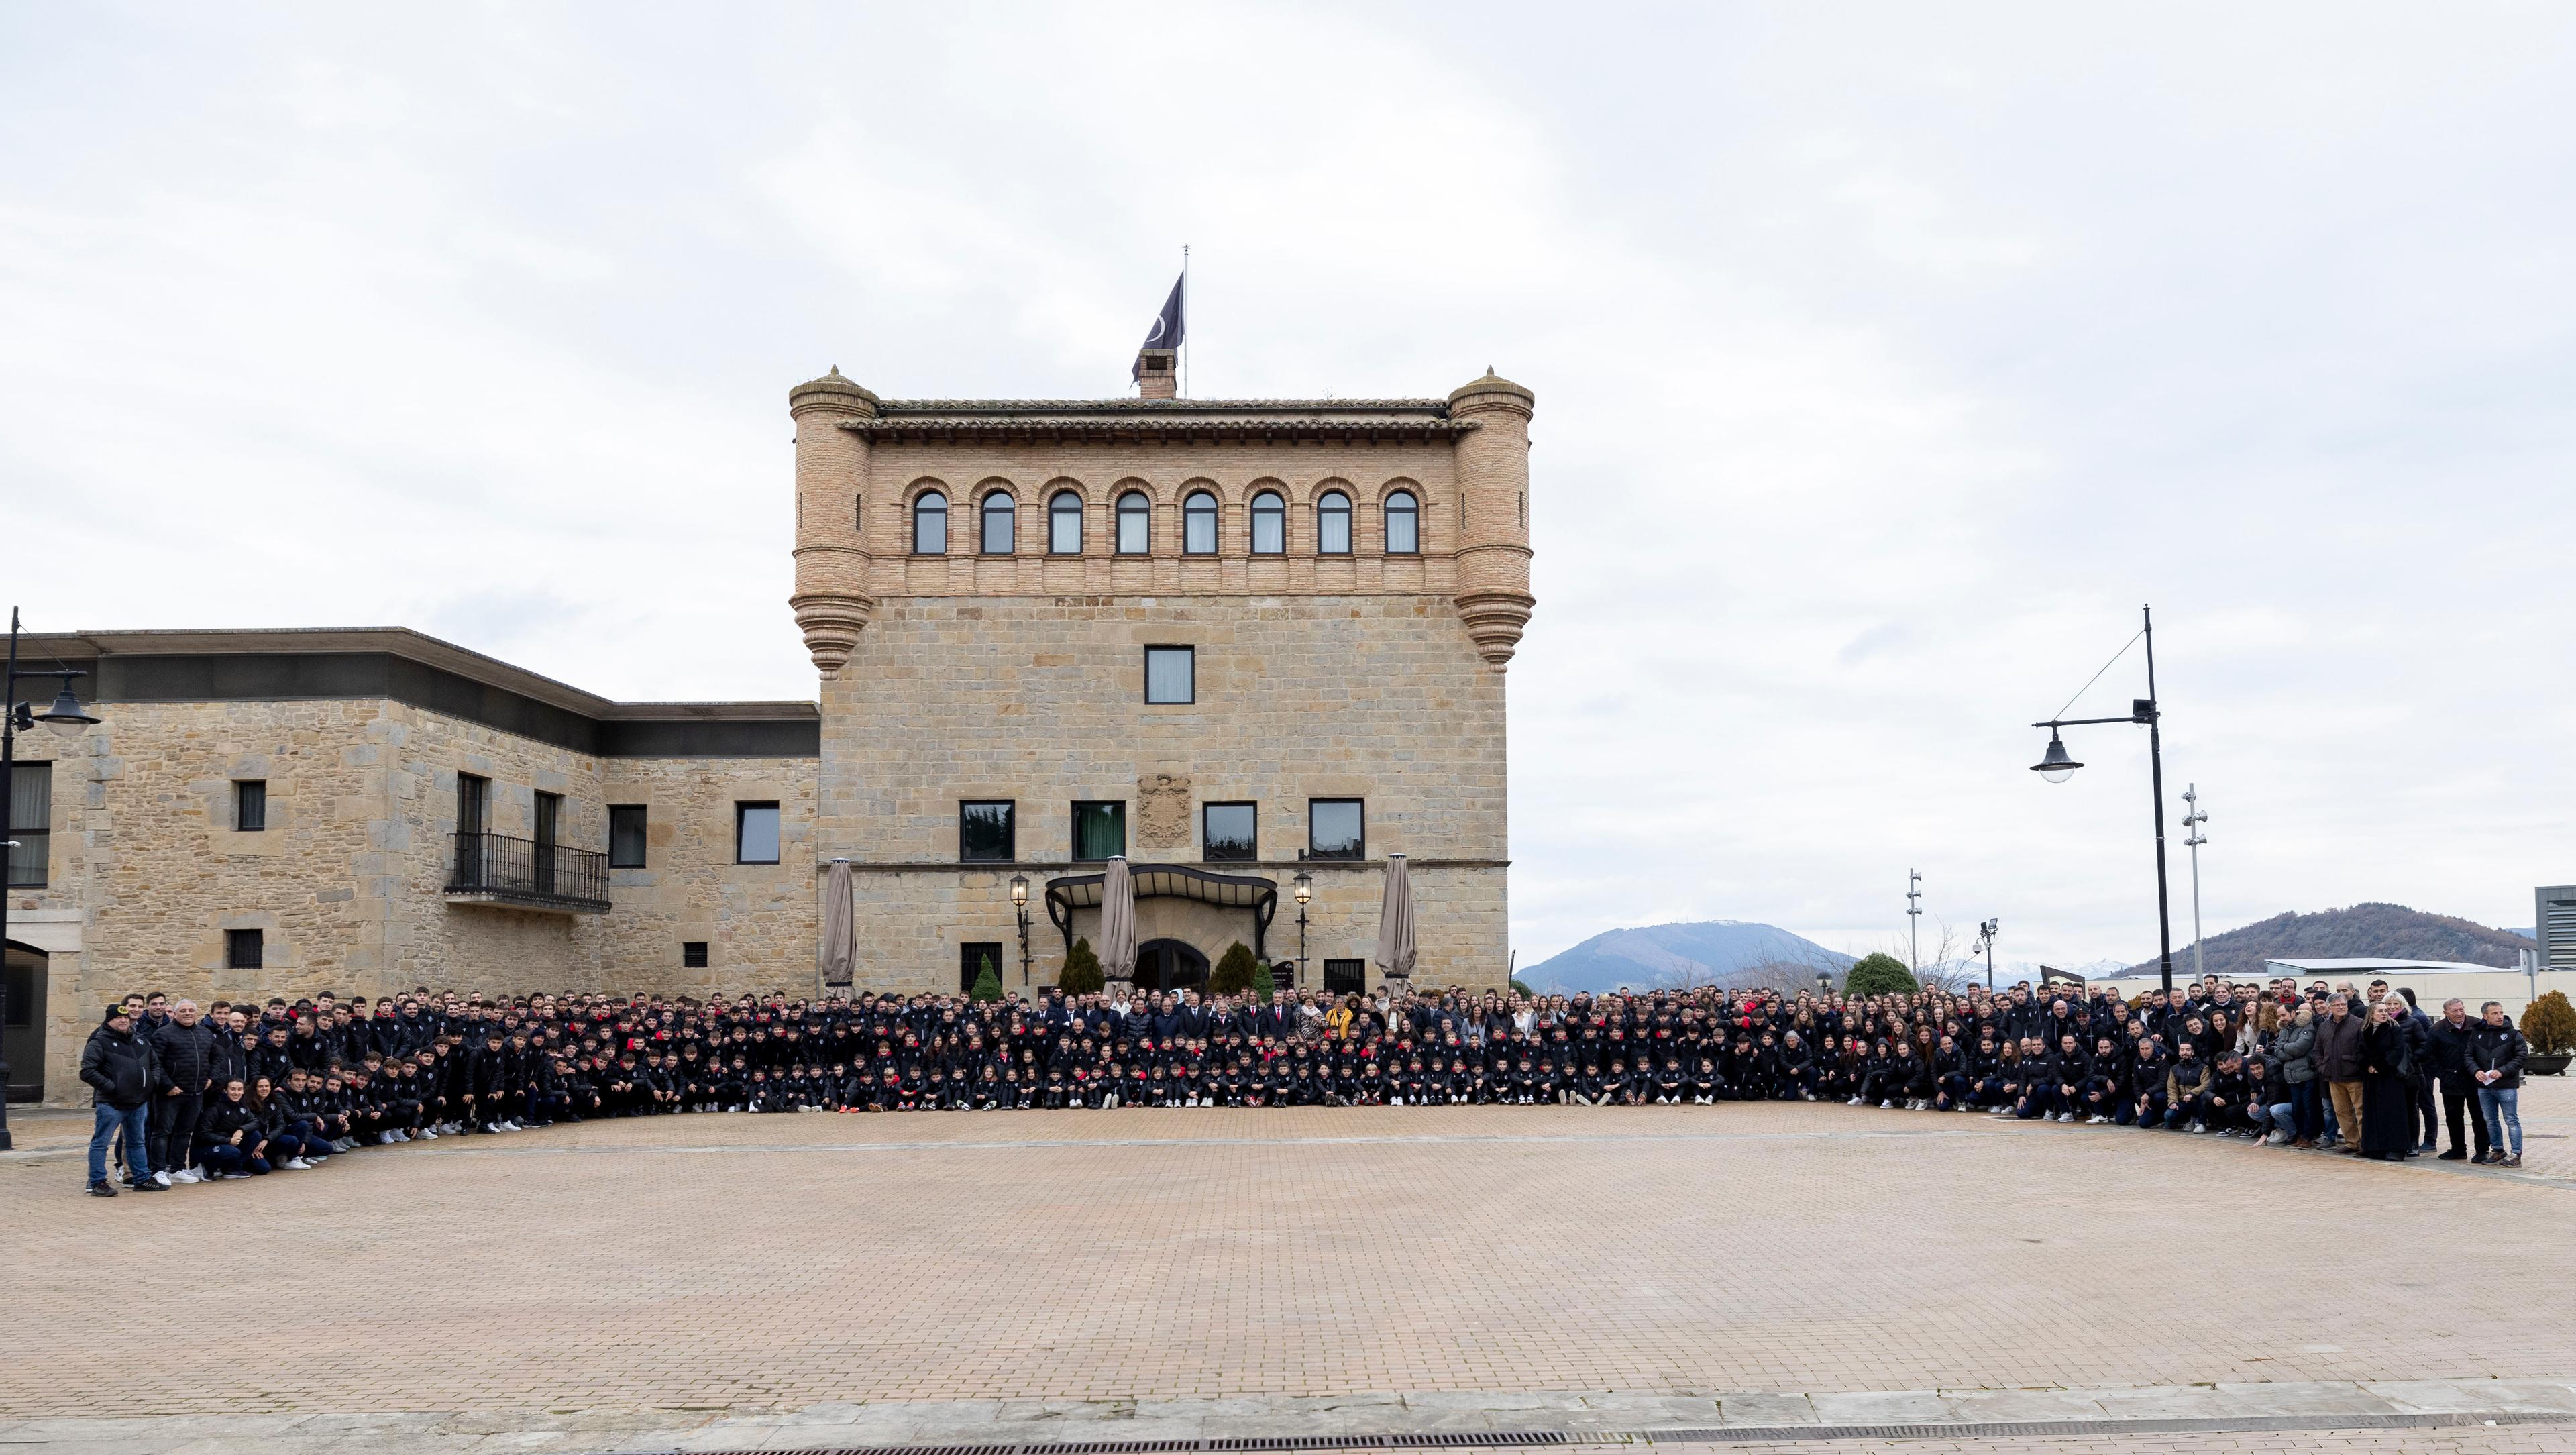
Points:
(997, 524)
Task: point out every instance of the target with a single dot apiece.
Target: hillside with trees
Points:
(2363, 931)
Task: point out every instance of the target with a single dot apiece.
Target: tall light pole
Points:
(1305, 889)
(2193, 838)
(1914, 920)
(1986, 942)
(64, 717)
(1020, 908)
(2055, 766)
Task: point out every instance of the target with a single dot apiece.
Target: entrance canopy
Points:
(1174, 881)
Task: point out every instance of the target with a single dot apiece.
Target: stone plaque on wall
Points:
(1162, 811)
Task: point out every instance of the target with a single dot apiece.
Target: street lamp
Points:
(1986, 942)
(1824, 983)
(2192, 839)
(2056, 767)
(64, 717)
(1020, 907)
(1304, 887)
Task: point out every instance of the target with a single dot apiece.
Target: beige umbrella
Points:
(1117, 922)
(1395, 921)
(838, 950)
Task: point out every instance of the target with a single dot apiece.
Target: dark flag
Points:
(1167, 330)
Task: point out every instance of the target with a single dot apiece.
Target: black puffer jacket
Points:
(2497, 1048)
(117, 1066)
(185, 1054)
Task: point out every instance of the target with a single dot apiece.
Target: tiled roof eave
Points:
(1180, 430)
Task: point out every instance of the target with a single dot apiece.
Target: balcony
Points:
(526, 874)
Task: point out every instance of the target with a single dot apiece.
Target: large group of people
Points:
(243, 1090)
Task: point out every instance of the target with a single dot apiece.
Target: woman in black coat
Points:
(2387, 1090)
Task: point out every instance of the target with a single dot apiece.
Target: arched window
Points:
(1198, 524)
(1064, 524)
(930, 524)
(1135, 523)
(1403, 524)
(1333, 524)
(998, 516)
(1269, 524)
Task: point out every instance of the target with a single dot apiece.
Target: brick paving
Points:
(772, 1263)
(2504, 1440)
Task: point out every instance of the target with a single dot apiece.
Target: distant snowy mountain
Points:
(1676, 955)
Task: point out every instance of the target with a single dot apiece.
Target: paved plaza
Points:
(824, 1280)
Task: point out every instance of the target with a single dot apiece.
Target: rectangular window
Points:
(473, 804)
(1229, 831)
(1099, 831)
(1336, 828)
(986, 833)
(626, 823)
(243, 949)
(755, 833)
(972, 959)
(1345, 977)
(31, 823)
(549, 818)
(1171, 674)
(250, 805)
(693, 954)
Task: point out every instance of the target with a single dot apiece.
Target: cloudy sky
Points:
(1888, 358)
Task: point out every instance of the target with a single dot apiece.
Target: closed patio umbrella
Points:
(1395, 947)
(838, 949)
(1117, 922)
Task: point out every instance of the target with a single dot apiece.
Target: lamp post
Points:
(1824, 984)
(1304, 885)
(64, 717)
(2192, 839)
(1986, 942)
(1020, 907)
(2055, 766)
(1914, 920)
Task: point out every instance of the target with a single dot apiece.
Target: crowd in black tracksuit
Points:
(288, 1085)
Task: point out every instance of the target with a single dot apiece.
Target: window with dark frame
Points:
(1198, 525)
(1230, 832)
(1336, 828)
(1135, 523)
(31, 823)
(244, 949)
(1171, 675)
(1001, 519)
(693, 954)
(1333, 524)
(987, 831)
(473, 804)
(1403, 524)
(1269, 524)
(250, 805)
(1345, 977)
(1099, 830)
(1064, 524)
(930, 524)
(972, 957)
(755, 833)
(626, 839)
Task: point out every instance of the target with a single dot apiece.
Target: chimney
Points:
(1158, 374)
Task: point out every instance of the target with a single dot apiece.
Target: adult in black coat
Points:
(184, 1048)
(117, 1066)
(2387, 1090)
(2446, 1060)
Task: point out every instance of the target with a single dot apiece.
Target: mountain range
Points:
(1721, 951)
(2378, 931)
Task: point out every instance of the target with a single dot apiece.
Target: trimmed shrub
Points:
(2549, 1024)
(988, 982)
(1879, 975)
(1081, 974)
(1233, 972)
(1264, 984)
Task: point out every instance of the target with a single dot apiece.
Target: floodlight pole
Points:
(2193, 838)
(1914, 920)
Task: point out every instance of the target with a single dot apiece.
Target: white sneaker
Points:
(429, 1133)
(162, 1178)
(2066, 1116)
(2198, 1128)
(1855, 1101)
(297, 1164)
(183, 1175)
(384, 1139)
(2095, 1120)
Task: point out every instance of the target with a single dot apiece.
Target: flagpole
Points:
(1185, 320)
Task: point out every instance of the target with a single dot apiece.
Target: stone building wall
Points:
(1041, 701)
(759, 921)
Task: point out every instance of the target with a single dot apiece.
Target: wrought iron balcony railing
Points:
(498, 869)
